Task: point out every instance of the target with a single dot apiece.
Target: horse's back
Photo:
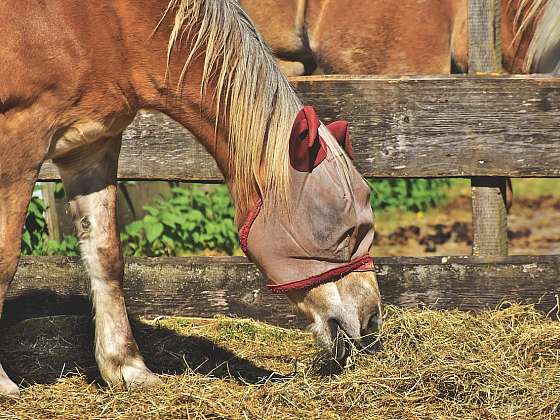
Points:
(62, 65)
(48, 44)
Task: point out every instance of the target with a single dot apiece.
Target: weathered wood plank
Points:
(198, 286)
(51, 213)
(485, 53)
(404, 127)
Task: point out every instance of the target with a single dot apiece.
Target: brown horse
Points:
(73, 75)
(363, 37)
(405, 37)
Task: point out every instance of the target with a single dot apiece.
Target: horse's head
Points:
(317, 249)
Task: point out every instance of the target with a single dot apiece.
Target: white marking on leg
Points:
(116, 351)
(7, 387)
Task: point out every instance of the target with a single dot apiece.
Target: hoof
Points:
(139, 377)
(8, 389)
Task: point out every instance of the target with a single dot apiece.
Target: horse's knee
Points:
(8, 265)
(16, 195)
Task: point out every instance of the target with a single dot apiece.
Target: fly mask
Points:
(328, 229)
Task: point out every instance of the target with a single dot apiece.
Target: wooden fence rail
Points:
(401, 127)
(209, 286)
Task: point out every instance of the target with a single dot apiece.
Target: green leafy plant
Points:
(68, 246)
(190, 221)
(407, 194)
(35, 234)
(35, 238)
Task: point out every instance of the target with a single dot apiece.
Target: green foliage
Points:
(190, 221)
(35, 233)
(35, 237)
(68, 246)
(407, 194)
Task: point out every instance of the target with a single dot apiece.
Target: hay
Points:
(433, 364)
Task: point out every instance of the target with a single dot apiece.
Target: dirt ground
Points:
(533, 225)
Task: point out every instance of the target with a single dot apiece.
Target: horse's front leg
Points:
(14, 198)
(89, 177)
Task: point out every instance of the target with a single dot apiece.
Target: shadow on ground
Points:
(41, 350)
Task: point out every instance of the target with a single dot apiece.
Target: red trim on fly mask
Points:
(244, 231)
(340, 131)
(307, 148)
(360, 264)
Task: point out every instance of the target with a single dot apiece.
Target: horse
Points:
(406, 37)
(357, 37)
(73, 76)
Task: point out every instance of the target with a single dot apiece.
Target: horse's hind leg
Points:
(89, 177)
(15, 192)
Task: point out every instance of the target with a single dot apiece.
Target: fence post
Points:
(51, 214)
(489, 213)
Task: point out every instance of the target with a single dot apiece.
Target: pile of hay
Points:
(433, 364)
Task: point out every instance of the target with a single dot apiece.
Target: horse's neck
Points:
(157, 80)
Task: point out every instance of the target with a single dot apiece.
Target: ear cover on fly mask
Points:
(340, 131)
(307, 148)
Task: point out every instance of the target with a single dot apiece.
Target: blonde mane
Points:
(543, 55)
(258, 100)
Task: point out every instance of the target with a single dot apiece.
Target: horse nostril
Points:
(370, 340)
(374, 324)
(338, 339)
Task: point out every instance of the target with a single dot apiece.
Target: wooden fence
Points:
(482, 126)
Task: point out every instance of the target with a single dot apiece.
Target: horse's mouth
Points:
(344, 345)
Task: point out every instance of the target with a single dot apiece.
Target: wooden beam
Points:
(489, 216)
(51, 214)
(209, 286)
(485, 40)
(401, 127)
(488, 194)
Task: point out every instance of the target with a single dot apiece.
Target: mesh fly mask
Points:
(328, 230)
